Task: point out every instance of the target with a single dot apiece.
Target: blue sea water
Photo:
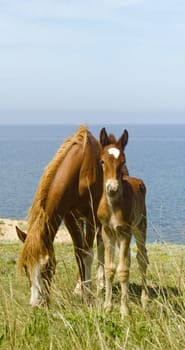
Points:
(156, 153)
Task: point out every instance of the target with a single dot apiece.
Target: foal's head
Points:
(39, 265)
(113, 161)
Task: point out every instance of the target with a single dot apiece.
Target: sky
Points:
(92, 61)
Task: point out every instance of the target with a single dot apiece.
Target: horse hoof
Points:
(144, 300)
(107, 308)
(78, 289)
(124, 311)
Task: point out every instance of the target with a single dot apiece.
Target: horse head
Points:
(39, 265)
(113, 161)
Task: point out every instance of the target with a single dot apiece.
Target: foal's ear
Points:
(122, 142)
(104, 139)
(21, 234)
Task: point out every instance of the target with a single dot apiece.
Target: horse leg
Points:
(88, 251)
(110, 267)
(100, 259)
(90, 233)
(123, 270)
(142, 259)
(75, 229)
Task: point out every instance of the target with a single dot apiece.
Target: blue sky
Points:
(113, 61)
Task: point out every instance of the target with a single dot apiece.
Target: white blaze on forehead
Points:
(114, 151)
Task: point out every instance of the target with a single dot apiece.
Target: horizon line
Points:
(93, 123)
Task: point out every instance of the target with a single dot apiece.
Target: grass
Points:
(70, 323)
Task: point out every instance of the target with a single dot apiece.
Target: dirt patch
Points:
(8, 231)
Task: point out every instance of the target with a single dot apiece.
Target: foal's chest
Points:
(116, 219)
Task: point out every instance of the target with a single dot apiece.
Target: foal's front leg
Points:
(110, 267)
(123, 271)
(101, 261)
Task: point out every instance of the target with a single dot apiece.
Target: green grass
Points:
(70, 323)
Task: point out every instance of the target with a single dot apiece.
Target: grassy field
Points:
(71, 324)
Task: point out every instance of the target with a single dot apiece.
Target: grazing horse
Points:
(69, 190)
(122, 211)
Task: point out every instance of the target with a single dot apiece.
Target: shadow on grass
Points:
(154, 292)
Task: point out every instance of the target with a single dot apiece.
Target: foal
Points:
(122, 212)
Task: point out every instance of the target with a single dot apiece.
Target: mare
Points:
(122, 212)
(69, 190)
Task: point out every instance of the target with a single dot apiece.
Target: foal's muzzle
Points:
(112, 187)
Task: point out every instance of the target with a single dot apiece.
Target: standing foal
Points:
(122, 212)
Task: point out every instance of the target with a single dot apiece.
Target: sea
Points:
(155, 153)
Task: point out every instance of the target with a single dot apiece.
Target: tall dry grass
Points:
(71, 323)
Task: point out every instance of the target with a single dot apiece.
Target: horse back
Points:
(134, 192)
(134, 185)
(90, 177)
(78, 176)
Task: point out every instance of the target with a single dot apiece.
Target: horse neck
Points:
(43, 225)
(53, 225)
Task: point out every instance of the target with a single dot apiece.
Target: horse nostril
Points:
(112, 187)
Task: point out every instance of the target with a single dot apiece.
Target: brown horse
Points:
(122, 211)
(69, 190)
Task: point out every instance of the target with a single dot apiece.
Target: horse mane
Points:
(36, 243)
(112, 139)
(41, 195)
